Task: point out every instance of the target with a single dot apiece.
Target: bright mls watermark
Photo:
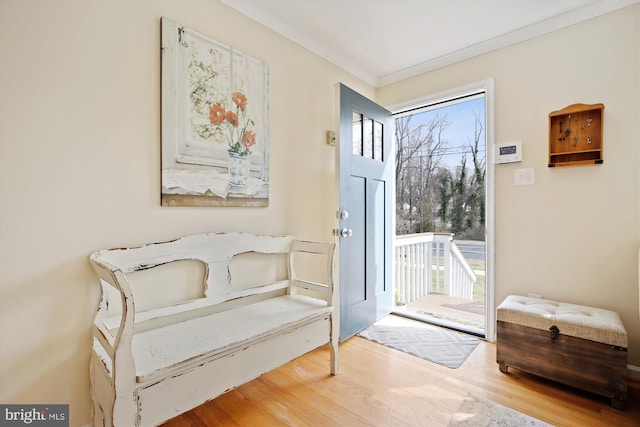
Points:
(34, 415)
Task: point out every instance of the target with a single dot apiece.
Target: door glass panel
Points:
(377, 141)
(357, 134)
(367, 135)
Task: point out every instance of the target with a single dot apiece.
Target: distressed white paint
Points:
(150, 366)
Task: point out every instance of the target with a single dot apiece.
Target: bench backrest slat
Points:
(210, 248)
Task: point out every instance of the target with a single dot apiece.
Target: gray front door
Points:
(365, 167)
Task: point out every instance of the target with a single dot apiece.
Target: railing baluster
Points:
(407, 269)
(419, 262)
(437, 263)
(397, 293)
(447, 267)
(410, 273)
(425, 265)
(429, 266)
(413, 272)
(402, 268)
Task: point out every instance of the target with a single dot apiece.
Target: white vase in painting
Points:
(238, 170)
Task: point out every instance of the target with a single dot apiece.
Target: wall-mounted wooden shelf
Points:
(575, 135)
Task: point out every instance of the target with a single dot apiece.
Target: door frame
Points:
(488, 87)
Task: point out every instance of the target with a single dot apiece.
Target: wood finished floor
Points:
(380, 386)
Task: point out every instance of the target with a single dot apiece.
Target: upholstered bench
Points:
(583, 347)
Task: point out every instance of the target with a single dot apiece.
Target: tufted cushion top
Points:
(595, 324)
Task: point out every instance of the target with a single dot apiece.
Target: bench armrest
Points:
(117, 346)
(324, 290)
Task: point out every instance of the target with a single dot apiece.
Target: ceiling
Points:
(383, 41)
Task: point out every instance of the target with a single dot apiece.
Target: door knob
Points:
(346, 232)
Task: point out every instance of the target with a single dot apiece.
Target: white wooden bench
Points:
(152, 361)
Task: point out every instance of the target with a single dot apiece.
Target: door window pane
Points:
(367, 135)
(377, 141)
(357, 134)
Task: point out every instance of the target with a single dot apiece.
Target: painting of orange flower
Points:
(215, 135)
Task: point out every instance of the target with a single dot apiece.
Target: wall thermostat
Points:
(509, 152)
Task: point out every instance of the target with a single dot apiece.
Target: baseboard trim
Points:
(634, 372)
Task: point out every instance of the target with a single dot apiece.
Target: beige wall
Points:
(573, 236)
(80, 166)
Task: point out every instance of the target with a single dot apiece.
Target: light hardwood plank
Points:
(379, 386)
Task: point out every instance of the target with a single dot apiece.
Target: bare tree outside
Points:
(475, 227)
(434, 191)
(418, 156)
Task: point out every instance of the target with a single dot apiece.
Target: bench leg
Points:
(333, 342)
(617, 402)
(333, 350)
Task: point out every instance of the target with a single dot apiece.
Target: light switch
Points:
(524, 176)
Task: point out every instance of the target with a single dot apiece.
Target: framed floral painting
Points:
(215, 135)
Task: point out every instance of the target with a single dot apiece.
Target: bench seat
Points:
(590, 323)
(160, 352)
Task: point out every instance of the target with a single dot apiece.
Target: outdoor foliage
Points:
(434, 197)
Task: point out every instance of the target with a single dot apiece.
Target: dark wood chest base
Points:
(595, 367)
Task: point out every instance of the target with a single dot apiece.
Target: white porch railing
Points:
(418, 256)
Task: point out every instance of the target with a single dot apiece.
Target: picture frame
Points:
(215, 133)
